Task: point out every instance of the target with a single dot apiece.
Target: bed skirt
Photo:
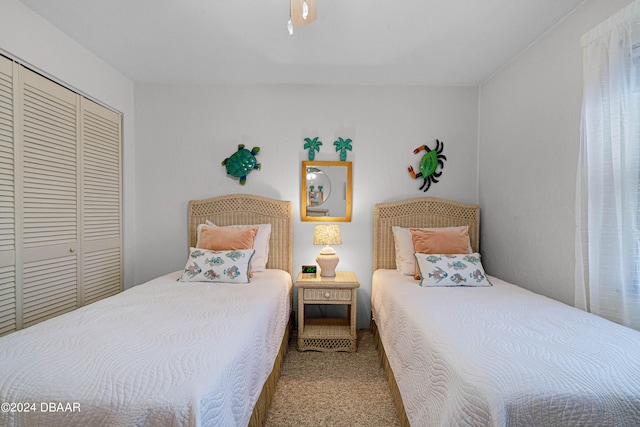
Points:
(259, 414)
(393, 386)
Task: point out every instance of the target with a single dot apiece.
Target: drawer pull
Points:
(327, 294)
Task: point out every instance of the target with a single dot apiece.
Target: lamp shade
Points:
(327, 235)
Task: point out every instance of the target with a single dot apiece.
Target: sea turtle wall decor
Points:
(243, 161)
(429, 164)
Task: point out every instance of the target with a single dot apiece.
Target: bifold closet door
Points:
(49, 200)
(102, 261)
(60, 199)
(7, 202)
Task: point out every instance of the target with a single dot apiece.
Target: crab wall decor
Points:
(243, 161)
(429, 165)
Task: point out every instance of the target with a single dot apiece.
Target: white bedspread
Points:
(504, 356)
(164, 353)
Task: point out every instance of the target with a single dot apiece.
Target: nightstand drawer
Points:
(327, 294)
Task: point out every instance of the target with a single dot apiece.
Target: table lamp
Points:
(327, 259)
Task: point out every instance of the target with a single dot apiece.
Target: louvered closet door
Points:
(50, 198)
(101, 195)
(7, 204)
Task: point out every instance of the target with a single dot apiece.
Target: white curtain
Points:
(608, 182)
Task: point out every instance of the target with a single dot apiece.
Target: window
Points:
(608, 184)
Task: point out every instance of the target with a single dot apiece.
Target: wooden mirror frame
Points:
(335, 190)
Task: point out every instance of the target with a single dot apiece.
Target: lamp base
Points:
(327, 263)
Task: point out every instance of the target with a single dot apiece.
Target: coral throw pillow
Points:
(441, 241)
(227, 238)
(446, 240)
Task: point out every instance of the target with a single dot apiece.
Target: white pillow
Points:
(217, 266)
(260, 243)
(451, 270)
(405, 261)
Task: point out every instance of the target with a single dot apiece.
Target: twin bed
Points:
(170, 352)
(494, 355)
(166, 352)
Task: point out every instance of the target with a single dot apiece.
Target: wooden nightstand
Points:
(327, 334)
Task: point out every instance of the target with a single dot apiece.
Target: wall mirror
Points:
(326, 191)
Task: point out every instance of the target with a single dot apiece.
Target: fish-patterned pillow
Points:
(451, 270)
(230, 266)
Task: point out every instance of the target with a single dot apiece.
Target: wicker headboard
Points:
(234, 209)
(419, 212)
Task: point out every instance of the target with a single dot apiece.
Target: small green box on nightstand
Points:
(309, 269)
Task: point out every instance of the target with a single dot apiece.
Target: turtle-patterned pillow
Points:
(230, 266)
(451, 270)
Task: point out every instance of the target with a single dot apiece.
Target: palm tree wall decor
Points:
(343, 145)
(312, 145)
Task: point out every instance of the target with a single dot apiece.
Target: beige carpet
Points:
(333, 389)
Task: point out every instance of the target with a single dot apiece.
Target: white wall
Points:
(34, 42)
(529, 141)
(184, 132)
